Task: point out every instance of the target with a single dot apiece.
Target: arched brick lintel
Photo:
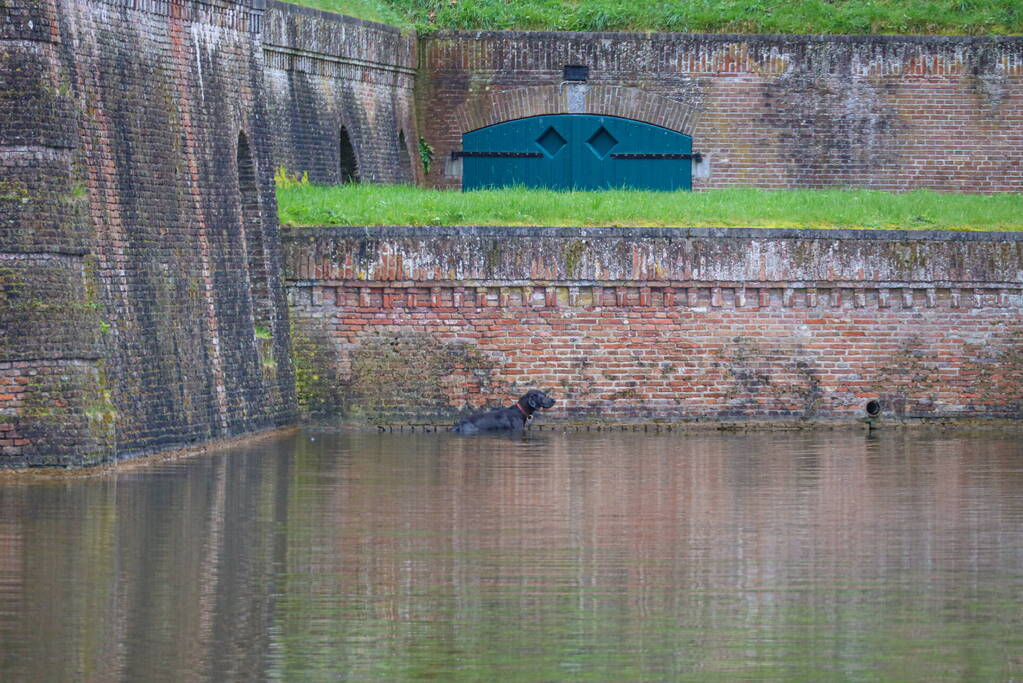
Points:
(576, 98)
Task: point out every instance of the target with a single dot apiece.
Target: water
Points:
(558, 556)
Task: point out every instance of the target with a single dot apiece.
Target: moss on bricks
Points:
(572, 256)
(318, 390)
(400, 374)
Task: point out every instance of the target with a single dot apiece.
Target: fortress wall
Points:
(882, 112)
(141, 305)
(420, 324)
(325, 72)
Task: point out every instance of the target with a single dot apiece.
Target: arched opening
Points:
(577, 152)
(252, 234)
(405, 174)
(486, 107)
(348, 169)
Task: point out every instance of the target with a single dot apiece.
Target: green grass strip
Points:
(906, 17)
(365, 204)
(379, 11)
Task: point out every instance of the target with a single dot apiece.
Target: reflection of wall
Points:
(669, 324)
(364, 557)
(885, 112)
(150, 572)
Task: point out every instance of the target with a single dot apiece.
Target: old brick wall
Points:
(419, 324)
(51, 400)
(881, 112)
(326, 72)
(140, 297)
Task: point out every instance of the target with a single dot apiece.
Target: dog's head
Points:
(534, 399)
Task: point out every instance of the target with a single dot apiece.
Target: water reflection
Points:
(557, 556)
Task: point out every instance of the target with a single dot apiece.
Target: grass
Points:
(372, 10)
(364, 204)
(939, 17)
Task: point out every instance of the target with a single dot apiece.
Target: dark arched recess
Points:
(348, 168)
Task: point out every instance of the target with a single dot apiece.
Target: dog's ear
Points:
(532, 400)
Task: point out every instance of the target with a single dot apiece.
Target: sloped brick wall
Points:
(128, 268)
(325, 72)
(882, 112)
(664, 324)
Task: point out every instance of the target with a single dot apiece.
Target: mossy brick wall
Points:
(140, 297)
(882, 112)
(140, 272)
(325, 72)
(53, 407)
(662, 324)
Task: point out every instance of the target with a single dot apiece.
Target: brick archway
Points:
(576, 98)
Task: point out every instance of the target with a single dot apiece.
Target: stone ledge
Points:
(297, 234)
(581, 256)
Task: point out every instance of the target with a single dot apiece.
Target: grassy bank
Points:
(940, 17)
(372, 10)
(304, 204)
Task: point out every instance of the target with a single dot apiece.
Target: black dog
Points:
(513, 418)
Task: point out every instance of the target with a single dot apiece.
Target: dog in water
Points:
(513, 418)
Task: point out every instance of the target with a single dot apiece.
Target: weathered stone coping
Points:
(401, 256)
(675, 37)
(722, 54)
(404, 231)
(301, 37)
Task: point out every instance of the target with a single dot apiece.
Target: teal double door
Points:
(576, 152)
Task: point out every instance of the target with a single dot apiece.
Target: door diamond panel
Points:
(602, 142)
(551, 141)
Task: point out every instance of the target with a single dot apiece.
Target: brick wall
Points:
(662, 324)
(140, 298)
(882, 112)
(325, 72)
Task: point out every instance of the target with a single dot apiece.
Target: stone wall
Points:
(140, 298)
(882, 112)
(421, 324)
(326, 72)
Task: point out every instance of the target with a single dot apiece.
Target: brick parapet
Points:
(505, 52)
(325, 72)
(236, 15)
(326, 36)
(663, 324)
(462, 254)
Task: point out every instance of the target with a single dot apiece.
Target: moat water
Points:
(557, 556)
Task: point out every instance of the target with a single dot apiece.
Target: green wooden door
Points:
(576, 152)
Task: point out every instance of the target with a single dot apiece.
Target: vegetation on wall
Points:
(942, 17)
(318, 389)
(366, 204)
(400, 374)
